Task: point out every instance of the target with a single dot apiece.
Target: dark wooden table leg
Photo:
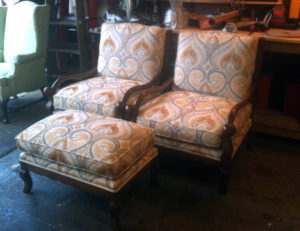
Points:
(114, 206)
(25, 175)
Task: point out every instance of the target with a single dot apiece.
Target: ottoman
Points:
(93, 152)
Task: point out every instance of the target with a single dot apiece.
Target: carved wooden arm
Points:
(131, 110)
(167, 70)
(229, 129)
(241, 104)
(50, 91)
(122, 104)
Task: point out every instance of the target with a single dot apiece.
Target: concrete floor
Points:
(264, 194)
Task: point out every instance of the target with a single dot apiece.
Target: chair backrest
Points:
(131, 51)
(2, 29)
(215, 63)
(26, 30)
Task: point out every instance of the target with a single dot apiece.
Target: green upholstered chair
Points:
(23, 46)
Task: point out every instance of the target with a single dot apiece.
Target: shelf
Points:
(67, 21)
(278, 2)
(65, 48)
(273, 122)
(65, 71)
(204, 1)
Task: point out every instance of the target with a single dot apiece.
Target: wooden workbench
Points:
(272, 121)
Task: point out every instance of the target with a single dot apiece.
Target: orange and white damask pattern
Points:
(112, 185)
(100, 145)
(131, 51)
(96, 95)
(215, 63)
(191, 117)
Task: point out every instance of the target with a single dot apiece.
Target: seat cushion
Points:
(102, 146)
(131, 51)
(215, 63)
(112, 185)
(96, 95)
(191, 117)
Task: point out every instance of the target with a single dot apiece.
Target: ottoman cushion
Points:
(98, 146)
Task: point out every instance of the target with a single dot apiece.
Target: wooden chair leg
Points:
(44, 94)
(154, 173)
(226, 172)
(223, 184)
(114, 206)
(249, 140)
(49, 95)
(25, 176)
(5, 111)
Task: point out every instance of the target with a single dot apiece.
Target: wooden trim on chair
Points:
(50, 91)
(229, 129)
(131, 110)
(159, 79)
(162, 84)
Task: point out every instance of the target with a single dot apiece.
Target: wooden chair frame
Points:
(226, 162)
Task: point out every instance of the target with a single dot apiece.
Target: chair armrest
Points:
(131, 110)
(133, 91)
(50, 91)
(237, 107)
(229, 129)
(58, 82)
(20, 59)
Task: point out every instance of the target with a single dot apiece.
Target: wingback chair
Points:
(130, 58)
(23, 45)
(208, 112)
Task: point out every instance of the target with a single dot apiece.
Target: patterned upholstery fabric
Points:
(96, 95)
(112, 185)
(131, 51)
(102, 146)
(130, 54)
(191, 117)
(212, 153)
(215, 63)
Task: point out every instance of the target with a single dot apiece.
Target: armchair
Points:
(208, 111)
(23, 44)
(131, 57)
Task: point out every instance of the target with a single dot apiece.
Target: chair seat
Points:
(100, 146)
(191, 117)
(6, 70)
(96, 95)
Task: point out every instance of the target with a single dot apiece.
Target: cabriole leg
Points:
(114, 206)
(25, 176)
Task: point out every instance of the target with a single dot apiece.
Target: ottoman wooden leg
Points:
(114, 206)
(25, 175)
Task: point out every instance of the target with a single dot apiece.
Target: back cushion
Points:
(215, 63)
(20, 31)
(131, 51)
